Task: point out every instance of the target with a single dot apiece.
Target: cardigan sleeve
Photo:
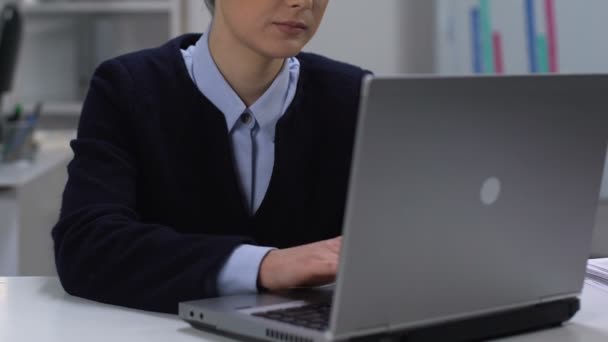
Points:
(103, 250)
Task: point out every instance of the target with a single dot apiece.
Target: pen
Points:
(16, 116)
(22, 133)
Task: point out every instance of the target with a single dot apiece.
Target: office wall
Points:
(571, 31)
(388, 36)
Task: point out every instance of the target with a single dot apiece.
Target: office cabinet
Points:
(30, 194)
(65, 40)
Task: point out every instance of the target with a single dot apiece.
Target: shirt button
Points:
(246, 118)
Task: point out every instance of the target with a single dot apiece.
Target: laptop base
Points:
(541, 316)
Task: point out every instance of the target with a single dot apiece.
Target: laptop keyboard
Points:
(312, 316)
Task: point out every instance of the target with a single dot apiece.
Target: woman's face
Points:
(272, 28)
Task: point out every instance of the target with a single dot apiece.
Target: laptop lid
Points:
(468, 196)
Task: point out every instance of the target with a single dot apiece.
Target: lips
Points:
(294, 24)
(291, 27)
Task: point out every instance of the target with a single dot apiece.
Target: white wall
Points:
(386, 36)
(196, 16)
(363, 32)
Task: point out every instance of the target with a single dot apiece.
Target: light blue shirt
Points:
(252, 132)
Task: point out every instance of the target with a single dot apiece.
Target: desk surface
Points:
(37, 309)
(15, 174)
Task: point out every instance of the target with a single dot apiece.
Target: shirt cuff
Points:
(239, 275)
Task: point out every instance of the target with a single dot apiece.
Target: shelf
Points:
(69, 109)
(61, 108)
(77, 35)
(96, 7)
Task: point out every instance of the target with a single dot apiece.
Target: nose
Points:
(300, 3)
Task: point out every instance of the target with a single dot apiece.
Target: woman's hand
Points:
(314, 264)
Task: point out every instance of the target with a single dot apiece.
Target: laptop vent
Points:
(281, 336)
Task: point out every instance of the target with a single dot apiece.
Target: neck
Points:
(248, 73)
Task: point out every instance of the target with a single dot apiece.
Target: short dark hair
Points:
(210, 5)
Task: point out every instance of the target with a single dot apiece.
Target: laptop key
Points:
(313, 316)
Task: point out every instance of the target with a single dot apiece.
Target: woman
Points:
(212, 165)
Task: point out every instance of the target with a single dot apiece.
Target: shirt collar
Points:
(266, 110)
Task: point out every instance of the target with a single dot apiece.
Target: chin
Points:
(283, 50)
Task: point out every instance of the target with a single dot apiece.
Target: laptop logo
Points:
(490, 191)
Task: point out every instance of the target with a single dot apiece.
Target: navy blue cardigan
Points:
(152, 207)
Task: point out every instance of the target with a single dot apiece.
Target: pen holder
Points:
(18, 142)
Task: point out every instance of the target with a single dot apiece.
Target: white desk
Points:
(600, 235)
(37, 309)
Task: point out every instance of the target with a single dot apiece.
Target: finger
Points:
(335, 241)
(335, 245)
(330, 269)
(323, 274)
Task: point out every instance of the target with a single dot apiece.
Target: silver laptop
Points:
(469, 197)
